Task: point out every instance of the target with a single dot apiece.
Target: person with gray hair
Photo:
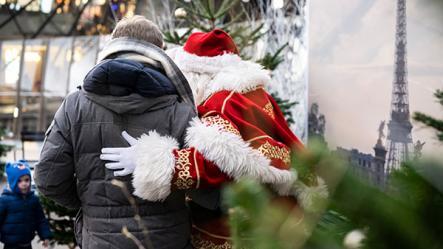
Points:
(140, 28)
(135, 87)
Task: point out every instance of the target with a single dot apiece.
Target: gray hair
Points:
(140, 28)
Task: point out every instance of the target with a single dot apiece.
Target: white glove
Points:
(122, 158)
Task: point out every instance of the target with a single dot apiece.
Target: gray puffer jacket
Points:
(71, 173)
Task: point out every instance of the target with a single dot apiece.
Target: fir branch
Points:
(439, 95)
(271, 62)
(430, 122)
(224, 8)
(285, 107)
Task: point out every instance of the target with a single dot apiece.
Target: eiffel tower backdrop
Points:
(399, 127)
(391, 150)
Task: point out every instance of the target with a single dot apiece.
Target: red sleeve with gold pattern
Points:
(278, 153)
(253, 126)
(258, 120)
(193, 171)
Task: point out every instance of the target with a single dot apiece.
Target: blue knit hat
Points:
(15, 170)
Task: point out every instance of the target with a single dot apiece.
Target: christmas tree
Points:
(61, 221)
(430, 121)
(3, 150)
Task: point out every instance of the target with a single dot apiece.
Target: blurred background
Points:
(47, 47)
(363, 78)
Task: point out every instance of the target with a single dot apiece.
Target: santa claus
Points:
(240, 132)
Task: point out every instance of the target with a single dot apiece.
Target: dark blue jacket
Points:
(121, 77)
(20, 217)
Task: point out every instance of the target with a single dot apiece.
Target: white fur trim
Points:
(155, 166)
(223, 72)
(238, 78)
(311, 198)
(202, 64)
(234, 156)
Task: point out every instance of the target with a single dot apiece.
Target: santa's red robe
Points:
(240, 132)
(237, 134)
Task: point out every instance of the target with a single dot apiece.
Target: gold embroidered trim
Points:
(275, 152)
(242, 91)
(225, 101)
(199, 243)
(209, 233)
(184, 178)
(257, 138)
(269, 109)
(206, 101)
(223, 123)
(196, 169)
(208, 113)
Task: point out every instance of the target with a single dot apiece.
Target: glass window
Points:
(85, 56)
(10, 54)
(31, 85)
(32, 76)
(56, 78)
(10, 65)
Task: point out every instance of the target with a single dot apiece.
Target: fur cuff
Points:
(241, 78)
(155, 166)
(233, 155)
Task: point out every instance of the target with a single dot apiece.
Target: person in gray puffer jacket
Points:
(136, 88)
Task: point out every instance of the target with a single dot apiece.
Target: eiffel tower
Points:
(399, 139)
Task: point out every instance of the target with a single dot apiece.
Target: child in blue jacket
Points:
(21, 214)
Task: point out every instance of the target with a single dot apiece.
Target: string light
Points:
(15, 114)
(180, 13)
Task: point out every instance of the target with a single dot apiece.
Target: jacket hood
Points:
(14, 171)
(122, 77)
(131, 104)
(128, 87)
(123, 46)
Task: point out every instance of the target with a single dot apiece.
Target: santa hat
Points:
(214, 53)
(214, 43)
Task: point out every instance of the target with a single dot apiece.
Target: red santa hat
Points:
(214, 43)
(215, 54)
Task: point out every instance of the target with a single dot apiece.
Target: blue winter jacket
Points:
(21, 215)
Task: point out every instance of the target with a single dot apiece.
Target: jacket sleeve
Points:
(193, 171)
(204, 173)
(215, 154)
(43, 230)
(55, 172)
